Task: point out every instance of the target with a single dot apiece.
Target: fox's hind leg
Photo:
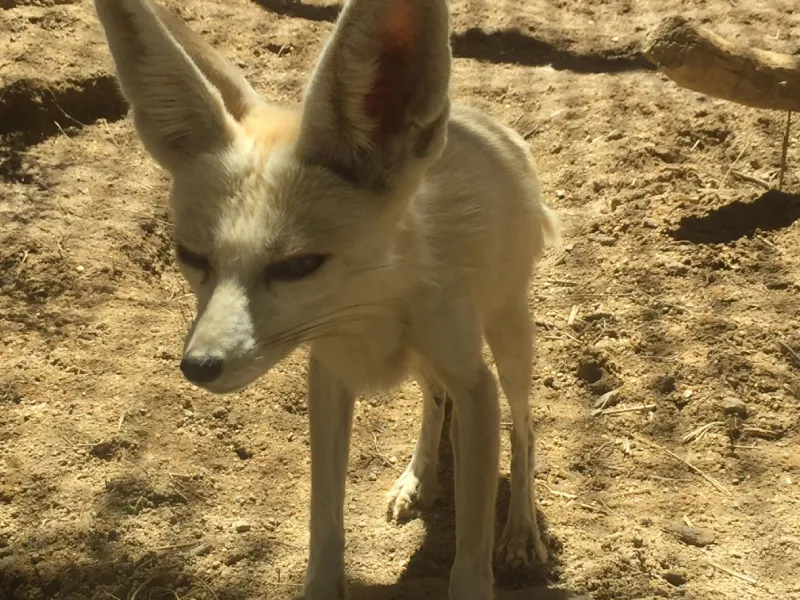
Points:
(510, 334)
(417, 486)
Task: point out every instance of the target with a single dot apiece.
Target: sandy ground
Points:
(680, 273)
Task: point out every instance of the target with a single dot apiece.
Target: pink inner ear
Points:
(399, 26)
(393, 83)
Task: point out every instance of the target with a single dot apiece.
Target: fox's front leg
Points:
(475, 436)
(449, 339)
(330, 412)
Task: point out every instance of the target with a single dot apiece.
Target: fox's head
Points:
(283, 219)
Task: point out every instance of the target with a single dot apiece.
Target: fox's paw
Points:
(408, 495)
(521, 546)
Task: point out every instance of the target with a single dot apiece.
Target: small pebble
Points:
(242, 526)
(243, 452)
(605, 240)
(694, 536)
(650, 223)
(201, 550)
(675, 579)
(734, 406)
(219, 412)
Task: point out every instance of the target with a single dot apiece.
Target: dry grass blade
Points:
(790, 351)
(713, 482)
(21, 265)
(733, 164)
(598, 509)
(606, 399)
(179, 546)
(785, 149)
(696, 434)
(140, 587)
(573, 314)
(566, 495)
(208, 587)
(733, 573)
(625, 409)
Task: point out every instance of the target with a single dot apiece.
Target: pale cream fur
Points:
(433, 232)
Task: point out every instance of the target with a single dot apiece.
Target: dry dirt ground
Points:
(677, 285)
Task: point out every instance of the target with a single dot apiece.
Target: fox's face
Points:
(277, 252)
(285, 221)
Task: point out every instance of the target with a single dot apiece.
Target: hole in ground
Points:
(31, 111)
(769, 212)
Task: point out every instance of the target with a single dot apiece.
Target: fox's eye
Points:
(296, 267)
(192, 259)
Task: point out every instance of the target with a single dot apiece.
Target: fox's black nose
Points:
(201, 369)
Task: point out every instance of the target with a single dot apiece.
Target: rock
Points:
(7, 563)
(605, 240)
(219, 412)
(614, 135)
(650, 223)
(242, 526)
(668, 155)
(675, 579)
(694, 536)
(235, 557)
(734, 406)
(243, 452)
(201, 550)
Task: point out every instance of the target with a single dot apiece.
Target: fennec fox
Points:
(375, 223)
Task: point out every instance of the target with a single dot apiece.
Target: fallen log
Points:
(701, 61)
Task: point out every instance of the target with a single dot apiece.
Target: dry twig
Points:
(713, 482)
(730, 168)
(752, 179)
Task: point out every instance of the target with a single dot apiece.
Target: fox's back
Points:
(481, 208)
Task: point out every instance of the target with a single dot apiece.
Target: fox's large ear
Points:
(185, 96)
(378, 104)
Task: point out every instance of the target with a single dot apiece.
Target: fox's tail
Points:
(551, 226)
